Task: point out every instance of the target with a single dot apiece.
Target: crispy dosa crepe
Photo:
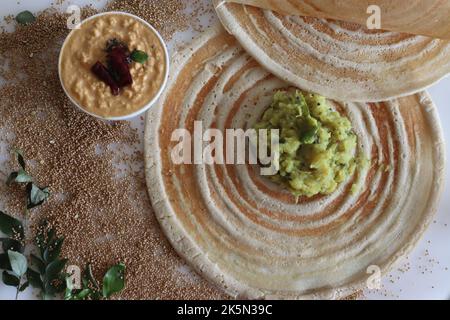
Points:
(250, 236)
(340, 60)
(422, 17)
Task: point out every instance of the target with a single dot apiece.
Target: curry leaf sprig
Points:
(49, 277)
(12, 260)
(113, 282)
(36, 195)
(13, 230)
(20, 176)
(48, 273)
(19, 266)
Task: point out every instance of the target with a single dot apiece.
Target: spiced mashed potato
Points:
(86, 45)
(318, 148)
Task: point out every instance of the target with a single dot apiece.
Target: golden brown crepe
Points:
(422, 17)
(249, 236)
(340, 60)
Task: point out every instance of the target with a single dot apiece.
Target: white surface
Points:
(422, 276)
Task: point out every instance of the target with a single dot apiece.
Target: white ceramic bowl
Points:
(150, 103)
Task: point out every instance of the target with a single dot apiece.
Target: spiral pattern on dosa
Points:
(250, 236)
(342, 61)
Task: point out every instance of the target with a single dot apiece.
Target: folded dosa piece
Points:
(422, 17)
(340, 60)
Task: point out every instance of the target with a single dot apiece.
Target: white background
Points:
(423, 275)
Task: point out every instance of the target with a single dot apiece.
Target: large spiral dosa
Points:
(339, 60)
(250, 236)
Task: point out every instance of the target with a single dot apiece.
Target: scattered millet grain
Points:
(357, 295)
(94, 169)
(166, 16)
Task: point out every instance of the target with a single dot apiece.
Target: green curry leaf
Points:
(10, 280)
(11, 244)
(4, 262)
(34, 278)
(25, 18)
(139, 56)
(36, 196)
(18, 263)
(10, 226)
(114, 280)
